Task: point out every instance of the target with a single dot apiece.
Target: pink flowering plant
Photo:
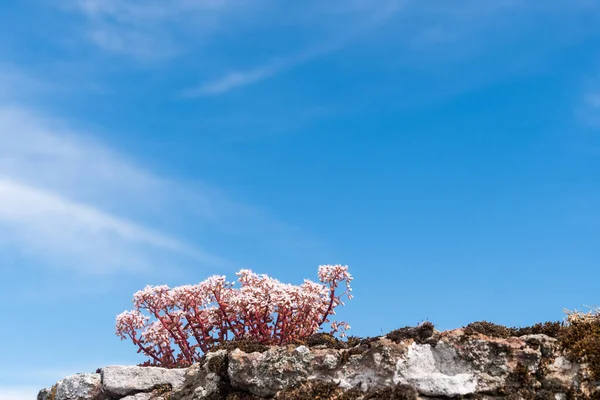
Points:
(195, 318)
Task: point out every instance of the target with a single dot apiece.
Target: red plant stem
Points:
(187, 350)
(195, 333)
(276, 324)
(290, 323)
(303, 320)
(148, 351)
(286, 316)
(217, 297)
(178, 336)
(282, 338)
(180, 342)
(331, 297)
(254, 324)
(265, 329)
(193, 318)
(202, 342)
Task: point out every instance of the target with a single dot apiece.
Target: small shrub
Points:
(581, 339)
(197, 318)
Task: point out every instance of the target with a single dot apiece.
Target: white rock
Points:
(80, 386)
(330, 361)
(420, 369)
(125, 380)
(139, 396)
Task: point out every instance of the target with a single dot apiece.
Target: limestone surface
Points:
(436, 365)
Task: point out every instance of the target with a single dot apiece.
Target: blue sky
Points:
(448, 152)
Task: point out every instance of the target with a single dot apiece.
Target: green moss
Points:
(352, 341)
(241, 396)
(363, 346)
(581, 342)
(551, 329)
(521, 394)
(325, 339)
(245, 345)
(520, 376)
(489, 329)
(218, 365)
(317, 390)
(419, 334)
(164, 390)
(345, 355)
(320, 390)
(398, 392)
(52, 395)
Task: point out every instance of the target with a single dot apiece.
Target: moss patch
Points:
(520, 376)
(317, 390)
(362, 347)
(491, 329)
(218, 365)
(320, 390)
(245, 345)
(242, 396)
(325, 339)
(399, 392)
(352, 341)
(164, 390)
(52, 395)
(551, 329)
(419, 334)
(581, 341)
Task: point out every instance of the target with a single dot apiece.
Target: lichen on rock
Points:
(480, 361)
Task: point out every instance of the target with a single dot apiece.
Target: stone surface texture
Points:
(75, 387)
(448, 365)
(120, 381)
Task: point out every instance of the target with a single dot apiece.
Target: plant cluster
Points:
(576, 316)
(192, 319)
(581, 339)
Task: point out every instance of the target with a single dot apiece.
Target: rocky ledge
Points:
(481, 361)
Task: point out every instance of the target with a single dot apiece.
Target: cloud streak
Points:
(237, 79)
(43, 222)
(71, 202)
(153, 29)
(373, 15)
(62, 194)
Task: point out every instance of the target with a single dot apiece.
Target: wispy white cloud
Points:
(242, 78)
(16, 84)
(371, 15)
(431, 31)
(55, 188)
(152, 29)
(237, 79)
(159, 29)
(52, 226)
(70, 201)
